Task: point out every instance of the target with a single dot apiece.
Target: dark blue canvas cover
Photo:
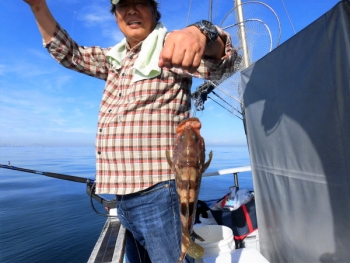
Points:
(297, 118)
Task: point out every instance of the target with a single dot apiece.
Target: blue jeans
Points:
(152, 219)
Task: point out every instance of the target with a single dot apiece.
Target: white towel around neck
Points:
(146, 65)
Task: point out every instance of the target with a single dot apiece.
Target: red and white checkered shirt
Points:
(136, 120)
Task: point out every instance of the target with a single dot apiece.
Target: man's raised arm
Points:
(44, 18)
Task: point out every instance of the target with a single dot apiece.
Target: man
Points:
(148, 79)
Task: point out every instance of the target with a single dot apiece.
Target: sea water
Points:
(43, 219)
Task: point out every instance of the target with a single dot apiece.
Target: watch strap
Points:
(211, 35)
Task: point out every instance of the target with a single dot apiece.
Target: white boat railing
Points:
(233, 171)
(229, 171)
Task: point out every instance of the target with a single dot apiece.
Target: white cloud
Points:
(94, 18)
(77, 112)
(78, 130)
(95, 15)
(56, 84)
(60, 122)
(25, 69)
(62, 4)
(33, 109)
(115, 34)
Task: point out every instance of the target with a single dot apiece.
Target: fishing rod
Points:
(90, 184)
(54, 175)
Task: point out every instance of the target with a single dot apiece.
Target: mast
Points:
(240, 19)
(210, 10)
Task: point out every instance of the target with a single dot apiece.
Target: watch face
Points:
(209, 26)
(211, 31)
(207, 29)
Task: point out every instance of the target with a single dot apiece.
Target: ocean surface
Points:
(43, 219)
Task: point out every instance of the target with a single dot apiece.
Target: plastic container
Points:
(218, 239)
(208, 221)
(243, 255)
(252, 241)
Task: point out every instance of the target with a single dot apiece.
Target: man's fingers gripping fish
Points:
(188, 166)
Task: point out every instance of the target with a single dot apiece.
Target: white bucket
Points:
(242, 255)
(218, 239)
(208, 221)
(252, 241)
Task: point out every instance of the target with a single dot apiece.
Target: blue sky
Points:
(42, 103)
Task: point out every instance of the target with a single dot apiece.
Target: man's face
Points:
(136, 19)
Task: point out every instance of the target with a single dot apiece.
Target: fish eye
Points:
(195, 137)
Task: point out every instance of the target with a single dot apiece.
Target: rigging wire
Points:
(226, 102)
(224, 107)
(227, 94)
(290, 20)
(202, 93)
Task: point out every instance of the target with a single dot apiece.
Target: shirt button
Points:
(99, 152)
(110, 110)
(120, 94)
(123, 74)
(100, 130)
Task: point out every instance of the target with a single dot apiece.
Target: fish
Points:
(188, 165)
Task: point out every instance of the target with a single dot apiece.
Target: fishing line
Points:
(290, 20)
(194, 113)
(73, 11)
(189, 11)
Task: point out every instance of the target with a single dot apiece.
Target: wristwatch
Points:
(207, 29)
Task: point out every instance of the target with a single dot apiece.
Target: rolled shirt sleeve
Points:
(88, 60)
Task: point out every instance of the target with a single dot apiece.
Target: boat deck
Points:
(110, 245)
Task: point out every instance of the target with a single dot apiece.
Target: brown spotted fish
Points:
(188, 166)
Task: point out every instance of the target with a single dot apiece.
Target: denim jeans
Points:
(152, 219)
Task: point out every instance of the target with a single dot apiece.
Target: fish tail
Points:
(189, 247)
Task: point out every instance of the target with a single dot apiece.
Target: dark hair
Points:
(153, 4)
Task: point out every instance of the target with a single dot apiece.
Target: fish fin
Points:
(170, 162)
(196, 236)
(206, 165)
(194, 250)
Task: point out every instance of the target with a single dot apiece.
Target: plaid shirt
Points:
(136, 121)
